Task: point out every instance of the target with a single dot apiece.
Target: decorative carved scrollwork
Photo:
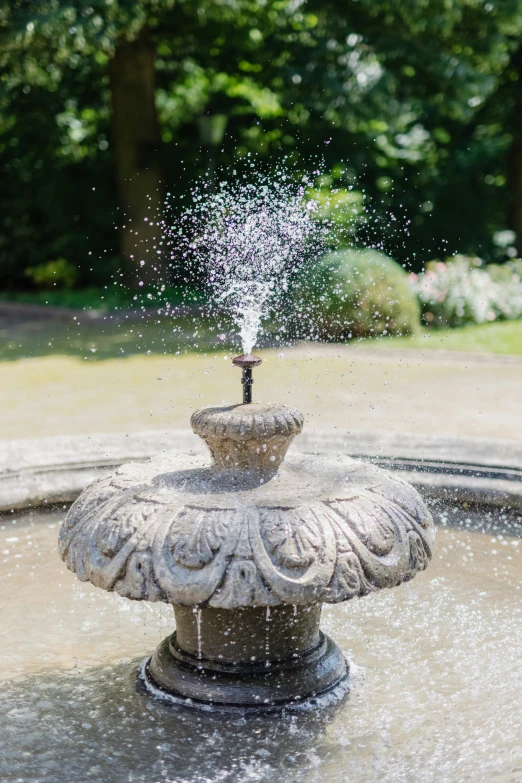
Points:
(323, 529)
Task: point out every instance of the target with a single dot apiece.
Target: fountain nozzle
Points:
(247, 362)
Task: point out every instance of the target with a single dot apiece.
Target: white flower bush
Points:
(463, 290)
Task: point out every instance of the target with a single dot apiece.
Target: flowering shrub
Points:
(462, 290)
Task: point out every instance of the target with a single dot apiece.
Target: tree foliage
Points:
(416, 104)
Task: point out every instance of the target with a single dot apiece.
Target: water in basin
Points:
(436, 676)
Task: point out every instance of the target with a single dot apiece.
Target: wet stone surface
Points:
(436, 677)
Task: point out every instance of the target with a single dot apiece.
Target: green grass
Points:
(502, 337)
(107, 340)
(121, 338)
(105, 297)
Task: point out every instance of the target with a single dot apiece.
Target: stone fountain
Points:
(247, 546)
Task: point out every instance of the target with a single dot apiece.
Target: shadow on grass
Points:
(110, 339)
(116, 338)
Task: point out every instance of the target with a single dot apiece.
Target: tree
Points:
(454, 68)
(406, 100)
(137, 141)
(43, 43)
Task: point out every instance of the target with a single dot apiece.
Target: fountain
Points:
(259, 551)
(246, 548)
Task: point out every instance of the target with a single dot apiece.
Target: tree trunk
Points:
(136, 139)
(515, 188)
(515, 158)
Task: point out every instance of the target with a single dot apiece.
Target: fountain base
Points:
(268, 685)
(246, 658)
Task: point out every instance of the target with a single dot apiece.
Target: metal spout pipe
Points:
(247, 362)
(247, 381)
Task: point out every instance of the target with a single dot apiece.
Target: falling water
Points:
(437, 711)
(250, 239)
(267, 637)
(197, 612)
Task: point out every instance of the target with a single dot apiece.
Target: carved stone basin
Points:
(246, 548)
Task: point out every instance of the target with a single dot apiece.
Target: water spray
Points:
(247, 362)
(248, 240)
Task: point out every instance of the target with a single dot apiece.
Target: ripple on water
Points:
(436, 678)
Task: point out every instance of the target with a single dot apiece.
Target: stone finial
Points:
(251, 437)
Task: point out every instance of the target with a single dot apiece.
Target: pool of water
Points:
(435, 690)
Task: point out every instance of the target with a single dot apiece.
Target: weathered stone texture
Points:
(180, 530)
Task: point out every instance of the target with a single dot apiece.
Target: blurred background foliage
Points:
(108, 107)
(353, 293)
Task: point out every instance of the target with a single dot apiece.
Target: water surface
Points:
(436, 682)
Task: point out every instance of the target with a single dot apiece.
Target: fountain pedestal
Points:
(247, 657)
(247, 548)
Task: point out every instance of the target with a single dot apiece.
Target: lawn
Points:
(109, 297)
(501, 337)
(113, 338)
(62, 378)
